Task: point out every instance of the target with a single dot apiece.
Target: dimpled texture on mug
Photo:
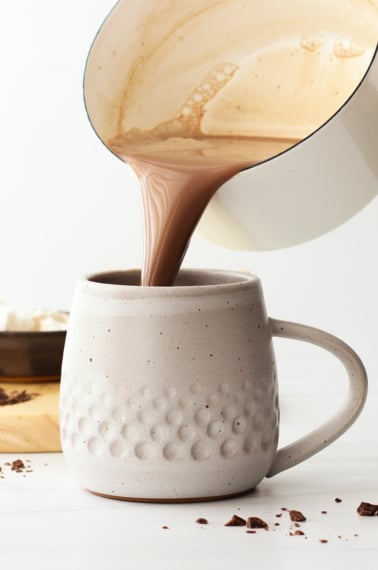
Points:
(171, 423)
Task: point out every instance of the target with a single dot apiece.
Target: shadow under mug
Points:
(170, 393)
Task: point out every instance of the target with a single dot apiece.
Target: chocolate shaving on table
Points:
(235, 520)
(297, 516)
(367, 510)
(202, 520)
(337, 500)
(256, 522)
(299, 533)
(17, 465)
(15, 397)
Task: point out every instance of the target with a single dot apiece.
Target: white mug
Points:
(170, 393)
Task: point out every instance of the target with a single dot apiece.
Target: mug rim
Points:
(188, 279)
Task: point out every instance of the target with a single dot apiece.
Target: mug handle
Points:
(334, 427)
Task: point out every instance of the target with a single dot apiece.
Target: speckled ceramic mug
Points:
(170, 393)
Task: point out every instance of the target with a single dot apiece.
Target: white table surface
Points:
(48, 522)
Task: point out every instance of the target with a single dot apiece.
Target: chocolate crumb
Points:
(15, 397)
(297, 516)
(299, 533)
(323, 540)
(256, 522)
(250, 531)
(283, 509)
(357, 535)
(277, 524)
(323, 512)
(367, 510)
(278, 515)
(337, 500)
(235, 520)
(17, 465)
(165, 527)
(202, 520)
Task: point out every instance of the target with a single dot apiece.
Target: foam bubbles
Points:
(347, 48)
(193, 109)
(312, 42)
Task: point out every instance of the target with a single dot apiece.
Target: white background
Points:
(68, 207)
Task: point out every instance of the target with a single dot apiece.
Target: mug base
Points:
(170, 500)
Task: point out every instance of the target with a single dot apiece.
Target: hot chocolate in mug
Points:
(170, 393)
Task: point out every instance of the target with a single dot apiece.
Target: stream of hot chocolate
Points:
(174, 197)
(180, 168)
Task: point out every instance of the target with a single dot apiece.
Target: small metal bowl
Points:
(31, 356)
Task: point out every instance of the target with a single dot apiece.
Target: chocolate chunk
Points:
(235, 520)
(323, 540)
(299, 533)
(296, 516)
(201, 520)
(17, 465)
(15, 397)
(256, 522)
(278, 515)
(367, 510)
(337, 500)
(165, 527)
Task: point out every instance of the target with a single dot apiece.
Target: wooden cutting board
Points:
(33, 425)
